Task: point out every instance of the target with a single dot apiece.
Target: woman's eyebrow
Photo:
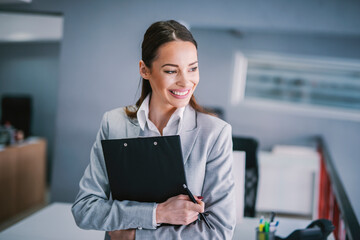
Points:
(174, 65)
(169, 64)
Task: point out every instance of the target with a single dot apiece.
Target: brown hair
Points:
(155, 36)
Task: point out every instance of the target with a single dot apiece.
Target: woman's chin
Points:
(179, 104)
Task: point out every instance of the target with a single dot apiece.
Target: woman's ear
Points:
(144, 70)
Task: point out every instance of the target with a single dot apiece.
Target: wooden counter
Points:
(22, 177)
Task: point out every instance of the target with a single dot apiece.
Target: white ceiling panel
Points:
(15, 1)
(24, 27)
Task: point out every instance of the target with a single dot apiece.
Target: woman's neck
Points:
(160, 115)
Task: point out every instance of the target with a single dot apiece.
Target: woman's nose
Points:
(183, 79)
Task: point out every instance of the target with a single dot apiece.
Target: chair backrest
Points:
(249, 146)
(219, 112)
(239, 178)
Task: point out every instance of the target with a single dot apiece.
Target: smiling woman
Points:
(167, 106)
(163, 34)
(173, 78)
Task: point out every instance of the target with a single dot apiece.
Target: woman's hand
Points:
(179, 210)
(128, 234)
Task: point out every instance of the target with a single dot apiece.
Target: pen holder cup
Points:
(264, 235)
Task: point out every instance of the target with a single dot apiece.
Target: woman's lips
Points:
(180, 93)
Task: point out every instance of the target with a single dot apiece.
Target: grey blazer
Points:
(207, 153)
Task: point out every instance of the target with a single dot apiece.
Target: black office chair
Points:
(249, 146)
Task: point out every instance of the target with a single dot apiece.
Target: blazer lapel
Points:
(132, 128)
(189, 132)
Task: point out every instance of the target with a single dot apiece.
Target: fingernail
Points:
(200, 197)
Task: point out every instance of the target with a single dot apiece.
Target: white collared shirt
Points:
(173, 126)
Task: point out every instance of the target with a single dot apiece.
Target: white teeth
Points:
(180, 93)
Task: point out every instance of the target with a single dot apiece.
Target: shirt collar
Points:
(143, 115)
(143, 112)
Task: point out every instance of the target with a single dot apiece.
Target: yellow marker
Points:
(261, 227)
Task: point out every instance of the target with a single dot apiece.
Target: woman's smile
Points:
(180, 93)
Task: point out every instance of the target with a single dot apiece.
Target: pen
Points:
(194, 201)
(272, 216)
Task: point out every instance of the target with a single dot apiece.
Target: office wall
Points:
(217, 67)
(101, 49)
(33, 69)
(274, 125)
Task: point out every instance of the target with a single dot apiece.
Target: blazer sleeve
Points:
(94, 207)
(218, 192)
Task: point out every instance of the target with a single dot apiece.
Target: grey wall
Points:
(33, 68)
(274, 126)
(99, 59)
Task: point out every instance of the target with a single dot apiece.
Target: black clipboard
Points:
(146, 169)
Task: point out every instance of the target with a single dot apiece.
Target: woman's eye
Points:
(193, 69)
(170, 72)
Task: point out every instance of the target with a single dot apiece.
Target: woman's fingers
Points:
(200, 201)
(191, 218)
(196, 207)
(193, 206)
(182, 197)
(179, 210)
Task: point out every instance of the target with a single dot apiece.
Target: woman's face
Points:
(173, 76)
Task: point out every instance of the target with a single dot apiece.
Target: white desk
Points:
(55, 222)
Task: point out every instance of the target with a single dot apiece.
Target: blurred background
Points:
(281, 72)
